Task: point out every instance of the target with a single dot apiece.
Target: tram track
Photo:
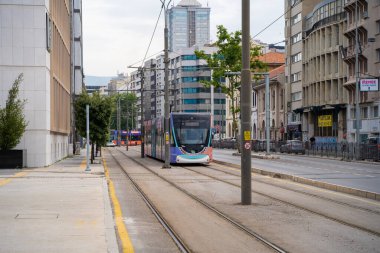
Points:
(376, 233)
(177, 240)
(235, 223)
(297, 191)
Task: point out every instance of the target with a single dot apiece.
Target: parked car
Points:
(110, 144)
(293, 146)
(261, 145)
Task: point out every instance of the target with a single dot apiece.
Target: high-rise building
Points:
(189, 25)
(36, 41)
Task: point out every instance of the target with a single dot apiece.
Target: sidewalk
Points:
(60, 208)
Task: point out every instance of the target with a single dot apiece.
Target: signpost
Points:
(369, 84)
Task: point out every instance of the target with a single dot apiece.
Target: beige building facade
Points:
(36, 41)
(324, 100)
(294, 23)
(367, 23)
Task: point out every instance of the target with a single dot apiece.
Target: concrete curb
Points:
(311, 182)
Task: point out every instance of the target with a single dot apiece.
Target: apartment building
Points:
(276, 68)
(363, 19)
(296, 10)
(324, 73)
(325, 107)
(186, 92)
(36, 41)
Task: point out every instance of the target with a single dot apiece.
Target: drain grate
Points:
(37, 216)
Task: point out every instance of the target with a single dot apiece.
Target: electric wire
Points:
(291, 6)
(151, 39)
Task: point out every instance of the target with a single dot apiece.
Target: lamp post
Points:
(357, 92)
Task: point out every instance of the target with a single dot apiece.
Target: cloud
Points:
(117, 32)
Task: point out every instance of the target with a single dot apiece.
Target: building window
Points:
(378, 26)
(296, 57)
(296, 38)
(282, 99)
(376, 111)
(273, 100)
(378, 54)
(296, 18)
(293, 2)
(295, 77)
(296, 96)
(353, 113)
(364, 112)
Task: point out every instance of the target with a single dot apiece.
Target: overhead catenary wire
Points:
(295, 2)
(151, 39)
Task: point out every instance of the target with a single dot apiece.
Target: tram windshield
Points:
(192, 129)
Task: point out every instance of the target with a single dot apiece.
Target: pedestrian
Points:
(312, 142)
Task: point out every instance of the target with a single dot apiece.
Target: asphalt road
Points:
(358, 175)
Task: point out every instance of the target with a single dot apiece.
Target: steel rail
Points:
(177, 240)
(208, 206)
(292, 204)
(298, 191)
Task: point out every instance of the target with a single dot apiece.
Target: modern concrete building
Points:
(36, 41)
(189, 25)
(367, 24)
(77, 75)
(186, 92)
(324, 73)
(325, 51)
(296, 10)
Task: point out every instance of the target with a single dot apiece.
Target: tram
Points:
(190, 138)
(123, 137)
(134, 138)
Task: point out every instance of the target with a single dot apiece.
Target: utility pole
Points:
(118, 120)
(357, 92)
(166, 96)
(127, 114)
(88, 138)
(267, 112)
(212, 102)
(245, 94)
(142, 113)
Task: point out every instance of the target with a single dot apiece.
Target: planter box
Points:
(12, 159)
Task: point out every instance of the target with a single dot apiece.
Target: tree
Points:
(128, 108)
(12, 119)
(228, 60)
(100, 116)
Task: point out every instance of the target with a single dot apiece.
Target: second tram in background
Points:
(134, 137)
(190, 140)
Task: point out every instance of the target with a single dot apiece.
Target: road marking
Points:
(8, 180)
(127, 246)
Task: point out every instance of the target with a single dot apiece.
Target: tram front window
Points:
(192, 134)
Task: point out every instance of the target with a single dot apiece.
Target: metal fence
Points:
(342, 150)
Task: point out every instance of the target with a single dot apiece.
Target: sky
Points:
(116, 33)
